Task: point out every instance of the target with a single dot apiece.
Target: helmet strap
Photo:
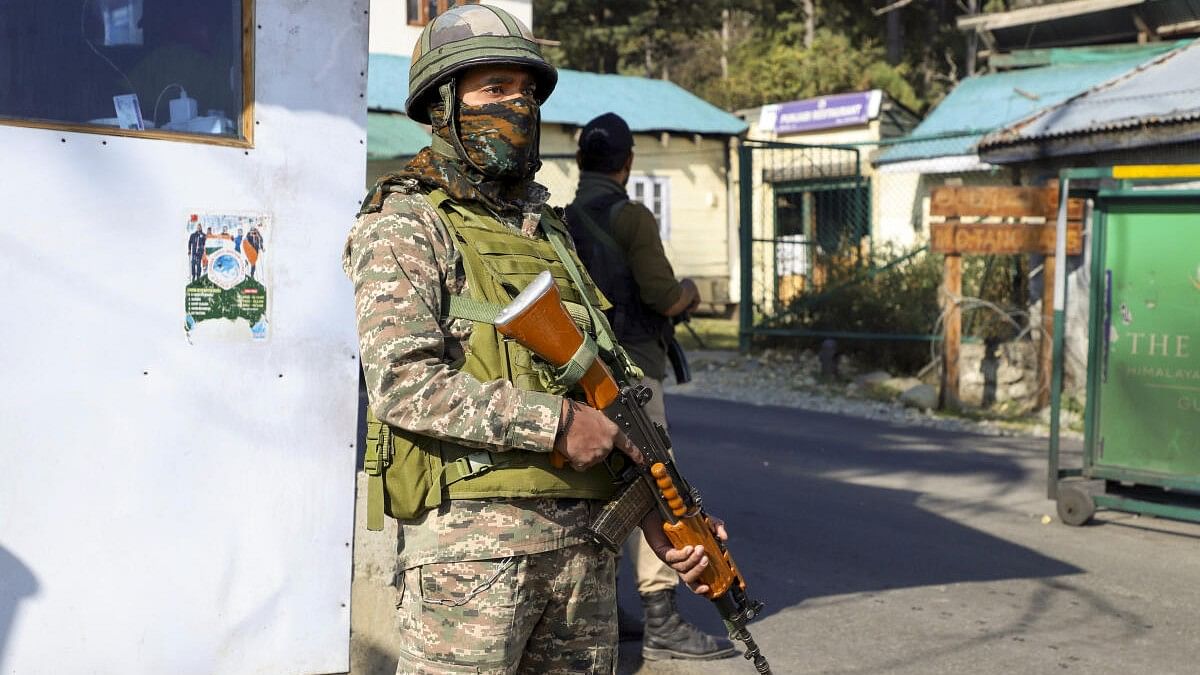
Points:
(449, 94)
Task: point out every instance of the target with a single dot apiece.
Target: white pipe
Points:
(1060, 248)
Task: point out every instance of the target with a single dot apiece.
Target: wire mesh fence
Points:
(832, 246)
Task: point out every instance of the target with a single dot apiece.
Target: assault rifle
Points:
(538, 320)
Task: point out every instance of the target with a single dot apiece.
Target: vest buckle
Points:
(479, 463)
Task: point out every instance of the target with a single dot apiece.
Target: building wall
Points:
(391, 33)
(695, 168)
(896, 214)
(900, 213)
(699, 242)
(777, 267)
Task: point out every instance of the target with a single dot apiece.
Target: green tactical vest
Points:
(409, 474)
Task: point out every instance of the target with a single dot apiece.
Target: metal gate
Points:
(804, 208)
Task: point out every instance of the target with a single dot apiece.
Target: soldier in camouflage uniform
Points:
(498, 574)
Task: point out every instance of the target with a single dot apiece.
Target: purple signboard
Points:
(826, 112)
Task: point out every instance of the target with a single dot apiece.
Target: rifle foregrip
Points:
(695, 530)
(666, 488)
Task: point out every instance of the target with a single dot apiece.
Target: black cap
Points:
(605, 142)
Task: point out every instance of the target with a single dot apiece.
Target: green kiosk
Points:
(1142, 419)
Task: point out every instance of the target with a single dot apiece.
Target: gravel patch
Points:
(793, 380)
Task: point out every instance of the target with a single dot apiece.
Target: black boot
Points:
(668, 636)
(629, 627)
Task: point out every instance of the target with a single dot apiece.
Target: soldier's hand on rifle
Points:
(586, 436)
(690, 561)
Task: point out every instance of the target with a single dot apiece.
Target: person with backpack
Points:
(618, 241)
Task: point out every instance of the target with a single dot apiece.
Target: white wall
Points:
(168, 507)
(391, 34)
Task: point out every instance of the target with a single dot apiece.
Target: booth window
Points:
(421, 12)
(134, 67)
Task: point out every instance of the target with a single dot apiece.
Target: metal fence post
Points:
(746, 237)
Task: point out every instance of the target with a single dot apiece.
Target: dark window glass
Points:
(135, 64)
(790, 213)
(412, 9)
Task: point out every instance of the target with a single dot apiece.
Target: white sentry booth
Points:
(177, 486)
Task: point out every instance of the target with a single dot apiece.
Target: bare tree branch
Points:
(892, 7)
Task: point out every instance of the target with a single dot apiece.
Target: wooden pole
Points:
(952, 329)
(1046, 354)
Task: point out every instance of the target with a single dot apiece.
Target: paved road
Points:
(891, 549)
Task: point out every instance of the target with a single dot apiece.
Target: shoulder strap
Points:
(602, 235)
(605, 337)
(460, 307)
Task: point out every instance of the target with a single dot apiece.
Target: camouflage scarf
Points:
(500, 141)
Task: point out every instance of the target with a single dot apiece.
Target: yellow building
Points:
(680, 170)
(813, 192)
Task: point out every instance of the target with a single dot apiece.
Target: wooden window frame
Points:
(422, 19)
(247, 117)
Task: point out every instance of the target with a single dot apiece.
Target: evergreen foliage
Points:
(743, 53)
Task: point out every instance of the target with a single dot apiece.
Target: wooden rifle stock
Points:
(538, 321)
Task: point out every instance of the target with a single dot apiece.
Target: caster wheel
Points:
(1075, 505)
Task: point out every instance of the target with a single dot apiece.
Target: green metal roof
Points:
(984, 103)
(647, 106)
(391, 135)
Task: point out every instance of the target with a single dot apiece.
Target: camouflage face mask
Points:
(501, 139)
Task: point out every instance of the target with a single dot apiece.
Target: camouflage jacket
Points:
(403, 264)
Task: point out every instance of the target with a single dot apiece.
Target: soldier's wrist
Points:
(565, 420)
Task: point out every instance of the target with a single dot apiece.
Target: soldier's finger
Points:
(676, 556)
(692, 575)
(622, 443)
(694, 559)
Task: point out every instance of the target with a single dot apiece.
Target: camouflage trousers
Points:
(552, 612)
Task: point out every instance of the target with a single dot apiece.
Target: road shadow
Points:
(798, 536)
(17, 582)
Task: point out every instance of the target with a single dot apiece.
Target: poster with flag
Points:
(227, 293)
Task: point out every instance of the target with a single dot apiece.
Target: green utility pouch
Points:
(402, 475)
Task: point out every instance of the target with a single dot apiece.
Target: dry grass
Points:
(713, 333)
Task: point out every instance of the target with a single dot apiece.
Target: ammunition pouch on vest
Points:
(408, 473)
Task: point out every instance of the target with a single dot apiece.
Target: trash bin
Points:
(1142, 417)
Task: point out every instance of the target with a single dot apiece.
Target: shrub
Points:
(896, 294)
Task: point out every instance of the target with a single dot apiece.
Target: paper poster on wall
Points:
(227, 297)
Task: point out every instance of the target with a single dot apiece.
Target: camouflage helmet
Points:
(471, 35)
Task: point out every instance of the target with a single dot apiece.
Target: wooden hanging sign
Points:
(1002, 238)
(953, 203)
(954, 238)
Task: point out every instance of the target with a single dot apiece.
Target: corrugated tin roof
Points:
(647, 105)
(984, 103)
(1162, 91)
(1085, 22)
